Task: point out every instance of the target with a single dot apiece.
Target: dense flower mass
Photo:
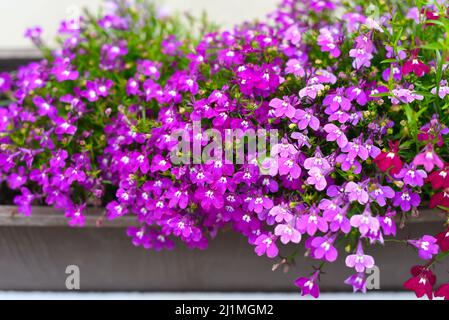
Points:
(355, 104)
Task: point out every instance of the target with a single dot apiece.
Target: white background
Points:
(17, 15)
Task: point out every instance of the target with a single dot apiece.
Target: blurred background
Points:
(17, 15)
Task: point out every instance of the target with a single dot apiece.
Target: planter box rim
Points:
(95, 217)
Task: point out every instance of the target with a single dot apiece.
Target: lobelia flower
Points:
(336, 134)
(443, 241)
(360, 261)
(443, 292)
(287, 233)
(390, 161)
(337, 101)
(295, 67)
(388, 224)
(381, 193)
(429, 159)
(323, 248)
(406, 199)
(312, 222)
(266, 244)
(357, 192)
(358, 282)
(311, 90)
(317, 178)
(260, 203)
(412, 176)
(326, 40)
(440, 199)
(365, 222)
(309, 286)
(405, 95)
(281, 213)
(75, 214)
(307, 119)
(5, 82)
(427, 247)
(283, 108)
(422, 282)
(443, 89)
(414, 65)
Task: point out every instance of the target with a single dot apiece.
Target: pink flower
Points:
(429, 159)
(360, 261)
(266, 244)
(287, 233)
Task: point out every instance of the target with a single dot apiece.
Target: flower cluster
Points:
(358, 103)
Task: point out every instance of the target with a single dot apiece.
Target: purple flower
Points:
(412, 176)
(360, 261)
(323, 248)
(44, 107)
(158, 163)
(357, 192)
(75, 214)
(317, 178)
(427, 247)
(312, 222)
(283, 108)
(406, 199)
(259, 203)
(266, 244)
(381, 193)
(429, 159)
(5, 82)
(365, 222)
(295, 67)
(281, 213)
(358, 282)
(309, 286)
(327, 41)
(287, 234)
(209, 198)
(335, 134)
(64, 126)
(115, 210)
(337, 101)
(307, 119)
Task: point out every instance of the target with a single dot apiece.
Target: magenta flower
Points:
(427, 247)
(283, 108)
(323, 248)
(358, 282)
(336, 134)
(337, 101)
(287, 234)
(295, 67)
(260, 203)
(312, 222)
(429, 159)
(412, 176)
(381, 193)
(281, 213)
(357, 192)
(266, 244)
(317, 178)
(360, 261)
(5, 82)
(327, 41)
(307, 119)
(406, 199)
(309, 286)
(365, 222)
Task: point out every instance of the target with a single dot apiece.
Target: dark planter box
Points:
(35, 252)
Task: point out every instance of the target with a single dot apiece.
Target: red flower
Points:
(422, 282)
(390, 160)
(415, 65)
(443, 241)
(443, 292)
(440, 199)
(440, 179)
